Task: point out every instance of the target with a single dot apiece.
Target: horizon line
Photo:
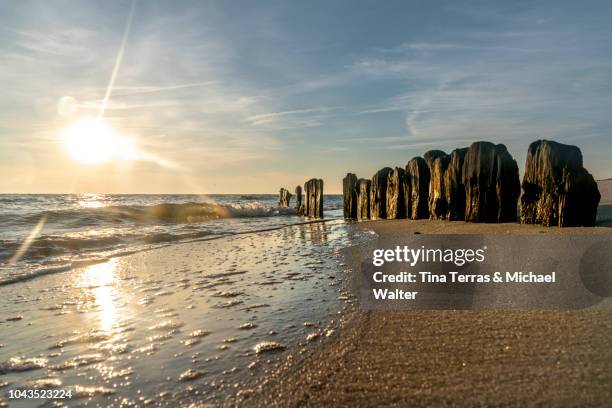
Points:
(154, 193)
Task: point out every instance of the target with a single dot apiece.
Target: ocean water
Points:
(230, 288)
(68, 230)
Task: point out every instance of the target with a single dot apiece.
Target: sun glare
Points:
(93, 141)
(101, 280)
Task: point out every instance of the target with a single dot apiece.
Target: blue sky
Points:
(250, 96)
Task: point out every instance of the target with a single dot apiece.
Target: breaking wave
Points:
(115, 222)
(80, 228)
(167, 213)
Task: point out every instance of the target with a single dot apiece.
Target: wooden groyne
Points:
(480, 183)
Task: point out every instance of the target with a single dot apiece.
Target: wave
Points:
(81, 230)
(155, 241)
(71, 231)
(52, 245)
(190, 212)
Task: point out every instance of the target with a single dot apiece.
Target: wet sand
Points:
(401, 227)
(453, 358)
(182, 324)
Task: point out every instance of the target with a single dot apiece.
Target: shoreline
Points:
(207, 315)
(84, 262)
(450, 357)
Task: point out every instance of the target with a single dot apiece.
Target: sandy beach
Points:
(290, 204)
(268, 318)
(448, 358)
(453, 358)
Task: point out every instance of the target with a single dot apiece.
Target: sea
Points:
(163, 300)
(62, 231)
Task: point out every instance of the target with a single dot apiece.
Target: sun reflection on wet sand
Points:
(101, 280)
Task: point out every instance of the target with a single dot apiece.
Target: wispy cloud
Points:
(148, 89)
(66, 42)
(298, 118)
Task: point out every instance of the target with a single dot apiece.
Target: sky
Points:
(246, 97)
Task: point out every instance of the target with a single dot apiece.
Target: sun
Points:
(93, 141)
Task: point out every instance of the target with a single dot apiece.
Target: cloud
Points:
(504, 89)
(148, 89)
(408, 47)
(299, 118)
(66, 42)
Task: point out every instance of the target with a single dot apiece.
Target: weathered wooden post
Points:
(417, 173)
(284, 198)
(314, 198)
(349, 191)
(556, 188)
(299, 206)
(492, 185)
